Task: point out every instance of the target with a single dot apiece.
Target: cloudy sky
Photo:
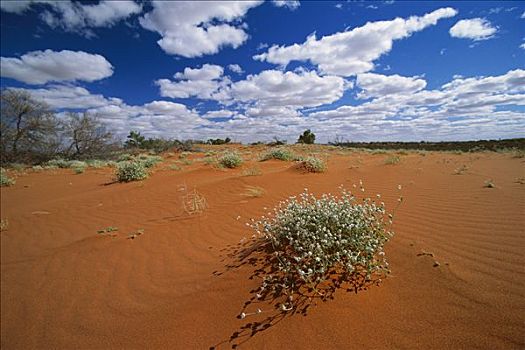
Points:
(353, 70)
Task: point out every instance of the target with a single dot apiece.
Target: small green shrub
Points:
(208, 160)
(96, 163)
(17, 166)
(392, 160)
(37, 168)
(518, 153)
(175, 167)
(58, 163)
(77, 164)
(5, 180)
(310, 239)
(124, 157)
(230, 160)
(65, 164)
(149, 161)
(279, 153)
(79, 170)
(131, 171)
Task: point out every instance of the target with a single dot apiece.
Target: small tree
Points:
(308, 137)
(29, 129)
(88, 136)
(135, 140)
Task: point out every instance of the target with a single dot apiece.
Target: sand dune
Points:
(65, 286)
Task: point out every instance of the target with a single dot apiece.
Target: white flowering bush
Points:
(131, 171)
(230, 160)
(311, 238)
(313, 165)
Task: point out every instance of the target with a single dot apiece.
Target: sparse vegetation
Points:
(131, 171)
(5, 180)
(253, 171)
(230, 160)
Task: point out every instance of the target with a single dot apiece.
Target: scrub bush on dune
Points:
(230, 160)
(313, 165)
(280, 154)
(309, 239)
(131, 171)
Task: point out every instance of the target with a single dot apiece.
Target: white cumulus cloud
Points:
(201, 82)
(77, 17)
(352, 52)
(377, 85)
(40, 67)
(291, 4)
(197, 28)
(235, 68)
(475, 29)
(277, 89)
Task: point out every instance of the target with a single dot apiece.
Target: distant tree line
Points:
(466, 146)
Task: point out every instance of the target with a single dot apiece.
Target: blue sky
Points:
(356, 70)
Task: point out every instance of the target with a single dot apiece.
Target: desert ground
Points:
(164, 278)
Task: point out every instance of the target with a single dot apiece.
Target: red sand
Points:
(64, 286)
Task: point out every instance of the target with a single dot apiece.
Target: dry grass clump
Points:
(461, 170)
(489, 184)
(254, 171)
(194, 202)
(4, 224)
(254, 191)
